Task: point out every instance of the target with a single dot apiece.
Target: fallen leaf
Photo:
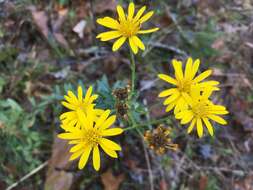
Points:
(163, 185)
(105, 5)
(244, 184)
(79, 28)
(57, 177)
(41, 20)
(1, 125)
(203, 181)
(110, 181)
(218, 44)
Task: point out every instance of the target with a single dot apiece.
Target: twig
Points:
(170, 48)
(151, 178)
(40, 167)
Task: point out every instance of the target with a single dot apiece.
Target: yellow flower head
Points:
(183, 83)
(74, 104)
(200, 110)
(126, 27)
(91, 136)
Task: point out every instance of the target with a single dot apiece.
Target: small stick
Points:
(151, 178)
(40, 167)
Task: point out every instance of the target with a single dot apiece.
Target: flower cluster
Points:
(190, 97)
(86, 128)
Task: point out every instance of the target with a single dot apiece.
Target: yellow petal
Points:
(209, 83)
(189, 130)
(69, 115)
(148, 31)
(208, 126)
(167, 78)
(181, 105)
(199, 128)
(112, 132)
(88, 94)
(167, 92)
(108, 151)
(72, 96)
(187, 118)
(70, 100)
(203, 76)
(106, 36)
(84, 158)
(195, 68)
(130, 11)
(170, 107)
(188, 99)
(108, 122)
(80, 93)
(111, 144)
(92, 99)
(178, 69)
(146, 17)
(121, 13)
(171, 98)
(219, 112)
(77, 147)
(139, 13)
(138, 42)
(102, 118)
(76, 154)
(188, 68)
(183, 114)
(133, 46)
(68, 105)
(218, 119)
(118, 43)
(96, 158)
(70, 135)
(108, 22)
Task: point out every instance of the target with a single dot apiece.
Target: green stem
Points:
(145, 124)
(133, 73)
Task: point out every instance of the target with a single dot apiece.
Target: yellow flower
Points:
(127, 27)
(91, 136)
(183, 83)
(200, 110)
(75, 104)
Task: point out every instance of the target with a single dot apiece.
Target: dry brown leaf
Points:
(203, 181)
(41, 20)
(110, 181)
(105, 5)
(244, 184)
(79, 28)
(59, 180)
(57, 177)
(218, 44)
(163, 185)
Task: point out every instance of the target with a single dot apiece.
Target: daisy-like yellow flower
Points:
(127, 27)
(183, 83)
(76, 103)
(201, 110)
(91, 136)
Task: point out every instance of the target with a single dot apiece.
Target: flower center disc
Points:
(129, 28)
(93, 136)
(184, 86)
(200, 109)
